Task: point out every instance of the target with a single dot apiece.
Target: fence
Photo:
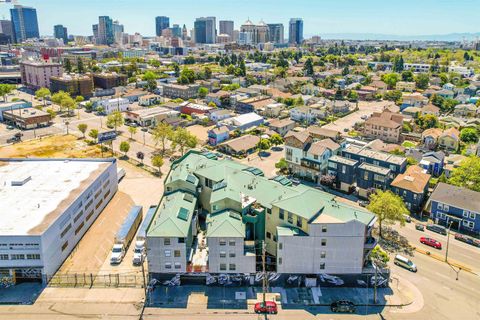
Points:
(89, 280)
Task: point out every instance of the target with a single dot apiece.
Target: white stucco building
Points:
(111, 105)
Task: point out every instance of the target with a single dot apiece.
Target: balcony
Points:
(370, 243)
(249, 248)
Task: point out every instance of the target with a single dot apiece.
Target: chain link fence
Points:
(89, 280)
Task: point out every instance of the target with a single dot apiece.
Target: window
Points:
(98, 204)
(166, 241)
(223, 242)
(322, 266)
(178, 265)
(333, 165)
(33, 257)
(299, 222)
(324, 228)
(168, 265)
(344, 169)
(281, 214)
(223, 266)
(280, 246)
(176, 253)
(64, 232)
(106, 194)
(231, 254)
(214, 207)
(365, 175)
(275, 238)
(232, 267)
(98, 193)
(279, 261)
(3, 256)
(466, 213)
(290, 217)
(231, 243)
(446, 207)
(324, 242)
(17, 256)
(223, 254)
(75, 219)
(323, 254)
(80, 226)
(415, 196)
(181, 240)
(65, 245)
(208, 183)
(269, 235)
(468, 224)
(440, 206)
(269, 211)
(442, 216)
(472, 215)
(89, 204)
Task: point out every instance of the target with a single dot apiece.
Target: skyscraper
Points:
(295, 35)
(118, 32)
(60, 32)
(161, 23)
(176, 31)
(24, 23)
(276, 32)
(226, 27)
(105, 30)
(6, 29)
(205, 30)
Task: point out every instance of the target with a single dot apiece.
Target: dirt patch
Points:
(59, 146)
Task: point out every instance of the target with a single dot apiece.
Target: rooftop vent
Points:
(21, 181)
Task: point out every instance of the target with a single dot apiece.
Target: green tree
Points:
(422, 80)
(276, 139)
(208, 72)
(149, 75)
(140, 156)
(5, 90)
(187, 76)
(308, 67)
(282, 165)
(43, 93)
(393, 95)
(202, 92)
(132, 131)
(183, 139)
(176, 69)
(352, 95)
(161, 134)
(391, 79)
(115, 119)
(80, 66)
(157, 161)
(379, 256)
(388, 207)
(243, 68)
(467, 174)
(52, 113)
(263, 144)
(407, 75)
(124, 147)
(67, 103)
(427, 121)
(67, 65)
(469, 135)
(82, 127)
(93, 133)
(230, 69)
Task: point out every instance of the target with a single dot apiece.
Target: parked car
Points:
(144, 129)
(343, 306)
(267, 307)
(420, 227)
(405, 263)
(431, 242)
(407, 218)
(295, 181)
(467, 239)
(10, 127)
(437, 229)
(363, 203)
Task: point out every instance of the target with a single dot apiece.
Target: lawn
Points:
(409, 144)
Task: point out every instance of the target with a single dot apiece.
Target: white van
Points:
(405, 263)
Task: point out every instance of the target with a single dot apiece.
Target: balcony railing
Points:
(370, 242)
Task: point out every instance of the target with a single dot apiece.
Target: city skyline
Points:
(370, 17)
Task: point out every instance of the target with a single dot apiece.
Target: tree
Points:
(391, 79)
(469, 135)
(308, 67)
(230, 69)
(5, 90)
(276, 139)
(80, 67)
(79, 99)
(327, 180)
(82, 127)
(93, 134)
(380, 257)
(208, 73)
(407, 75)
(67, 103)
(467, 174)
(187, 76)
(263, 144)
(59, 96)
(352, 95)
(43, 93)
(124, 147)
(157, 161)
(388, 207)
(52, 113)
(183, 139)
(176, 69)
(427, 121)
(161, 134)
(149, 75)
(282, 165)
(132, 131)
(422, 81)
(202, 92)
(243, 68)
(140, 156)
(393, 95)
(67, 65)
(115, 119)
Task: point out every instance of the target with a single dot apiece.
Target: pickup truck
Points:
(118, 252)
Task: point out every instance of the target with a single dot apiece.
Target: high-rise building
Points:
(161, 23)
(256, 33)
(276, 32)
(176, 31)
(226, 27)
(184, 32)
(105, 30)
(60, 32)
(24, 23)
(205, 30)
(95, 31)
(295, 35)
(118, 32)
(6, 29)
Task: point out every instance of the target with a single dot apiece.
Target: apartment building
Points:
(109, 80)
(75, 84)
(39, 231)
(37, 74)
(185, 92)
(386, 126)
(305, 230)
(405, 86)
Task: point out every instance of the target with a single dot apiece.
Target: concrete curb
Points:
(442, 259)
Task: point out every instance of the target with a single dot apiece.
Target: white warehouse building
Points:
(47, 205)
(111, 105)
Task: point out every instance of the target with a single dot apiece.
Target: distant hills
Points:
(379, 36)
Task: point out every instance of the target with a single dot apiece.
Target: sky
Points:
(393, 17)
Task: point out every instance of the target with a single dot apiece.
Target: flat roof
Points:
(35, 192)
(374, 168)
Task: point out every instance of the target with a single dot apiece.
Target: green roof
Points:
(174, 215)
(225, 224)
(307, 204)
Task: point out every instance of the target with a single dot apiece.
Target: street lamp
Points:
(448, 240)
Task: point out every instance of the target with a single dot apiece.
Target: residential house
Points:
(218, 135)
(380, 86)
(305, 114)
(449, 139)
(240, 146)
(253, 104)
(431, 109)
(412, 186)
(430, 137)
(413, 100)
(405, 86)
(465, 110)
(397, 164)
(452, 161)
(243, 122)
(282, 127)
(320, 133)
(344, 170)
(444, 93)
(217, 115)
(273, 110)
(371, 177)
(149, 100)
(386, 126)
(455, 207)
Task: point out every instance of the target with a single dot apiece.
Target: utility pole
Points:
(375, 284)
(448, 240)
(264, 272)
(143, 277)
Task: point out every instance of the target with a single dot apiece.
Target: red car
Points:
(267, 307)
(431, 242)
